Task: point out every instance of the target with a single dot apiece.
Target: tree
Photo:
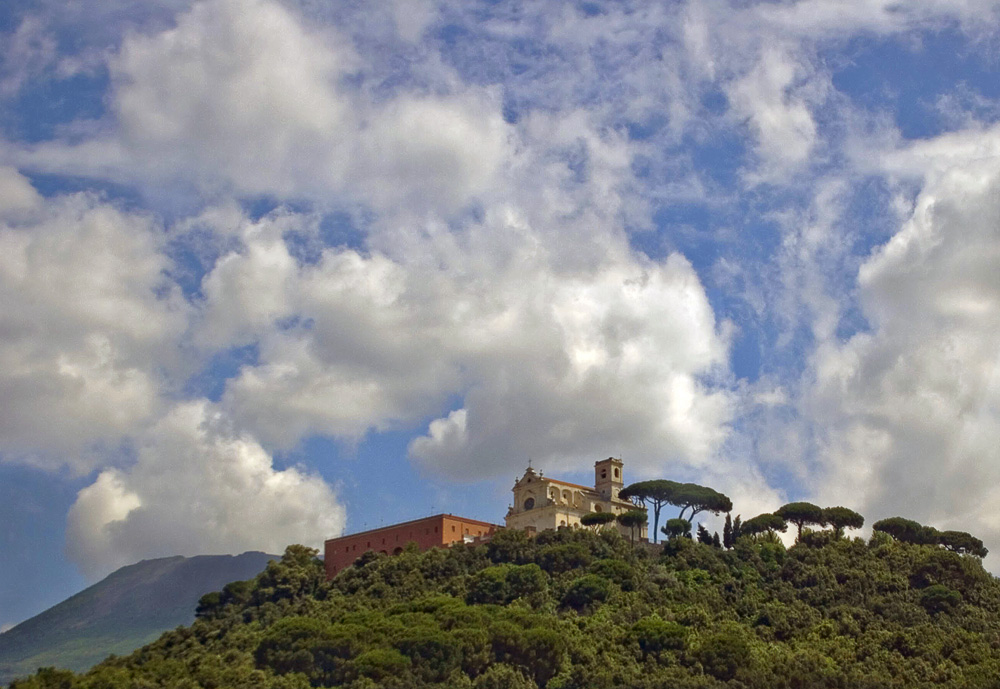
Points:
(703, 535)
(800, 514)
(763, 523)
(700, 499)
(298, 573)
(841, 518)
(962, 543)
(907, 530)
(655, 493)
(632, 520)
(687, 496)
(597, 519)
(727, 532)
(586, 591)
(675, 528)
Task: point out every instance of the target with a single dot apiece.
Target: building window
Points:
(616, 472)
(529, 503)
(435, 529)
(597, 508)
(453, 529)
(604, 473)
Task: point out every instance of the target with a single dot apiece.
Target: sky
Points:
(276, 270)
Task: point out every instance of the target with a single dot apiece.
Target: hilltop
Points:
(578, 609)
(130, 607)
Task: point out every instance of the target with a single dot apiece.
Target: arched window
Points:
(616, 472)
(529, 503)
(566, 495)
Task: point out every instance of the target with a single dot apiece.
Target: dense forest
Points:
(587, 609)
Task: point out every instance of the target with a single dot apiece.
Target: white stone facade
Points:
(543, 503)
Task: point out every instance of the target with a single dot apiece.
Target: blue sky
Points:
(273, 270)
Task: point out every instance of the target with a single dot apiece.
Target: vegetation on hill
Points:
(579, 609)
(129, 608)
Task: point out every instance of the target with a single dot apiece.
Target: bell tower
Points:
(608, 479)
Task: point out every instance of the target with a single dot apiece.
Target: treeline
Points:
(656, 494)
(583, 609)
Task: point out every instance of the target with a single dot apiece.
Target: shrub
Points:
(939, 598)
(655, 635)
(381, 663)
(504, 676)
(722, 654)
(564, 557)
(586, 591)
(618, 571)
(501, 584)
(511, 546)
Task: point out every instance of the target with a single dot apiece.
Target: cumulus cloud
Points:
(197, 488)
(910, 410)
(494, 303)
(779, 114)
(87, 327)
(240, 97)
(554, 355)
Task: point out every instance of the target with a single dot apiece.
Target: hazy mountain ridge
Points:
(130, 607)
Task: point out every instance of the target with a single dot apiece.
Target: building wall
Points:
(555, 503)
(429, 532)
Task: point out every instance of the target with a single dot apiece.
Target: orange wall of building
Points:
(429, 532)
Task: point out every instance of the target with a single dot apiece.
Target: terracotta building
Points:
(542, 503)
(429, 532)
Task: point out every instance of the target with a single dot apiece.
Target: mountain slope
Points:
(578, 610)
(129, 608)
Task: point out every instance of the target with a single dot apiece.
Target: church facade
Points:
(542, 503)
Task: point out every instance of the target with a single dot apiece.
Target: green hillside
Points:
(129, 608)
(576, 609)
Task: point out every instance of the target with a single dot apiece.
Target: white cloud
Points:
(910, 411)
(16, 194)
(87, 327)
(527, 309)
(196, 488)
(779, 114)
(237, 91)
(240, 97)
(28, 51)
(555, 354)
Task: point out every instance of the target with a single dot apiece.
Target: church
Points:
(540, 503)
(543, 503)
